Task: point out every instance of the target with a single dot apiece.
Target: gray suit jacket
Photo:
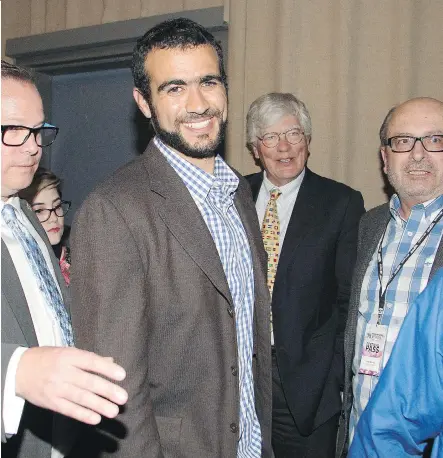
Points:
(35, 433)
(149, 289)
(371, 229)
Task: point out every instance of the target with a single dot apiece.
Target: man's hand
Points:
(68, 381)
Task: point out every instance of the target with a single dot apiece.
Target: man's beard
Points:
(176, 140)
(408, 188)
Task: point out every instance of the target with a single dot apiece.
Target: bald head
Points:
(422, 103)
(416, 175)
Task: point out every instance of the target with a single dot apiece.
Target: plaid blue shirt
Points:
(214, 197)
(400, 237)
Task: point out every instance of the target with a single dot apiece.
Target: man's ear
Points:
(255, 152)
(384, 158)
(141, 102)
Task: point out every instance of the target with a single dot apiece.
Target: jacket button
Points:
(234, 427)
(234, 370)
(343, 414)
(231, 311)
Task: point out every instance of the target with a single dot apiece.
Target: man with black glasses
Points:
(400, 248)
(41, 371)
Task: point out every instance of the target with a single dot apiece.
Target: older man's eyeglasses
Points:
(405, 143)
(292, 136)
(18, 135)
(43, 214)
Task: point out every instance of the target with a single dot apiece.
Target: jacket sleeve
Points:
(109, 313)
(346, 253)
(406, 408)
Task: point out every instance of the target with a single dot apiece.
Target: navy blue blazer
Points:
(311, 296)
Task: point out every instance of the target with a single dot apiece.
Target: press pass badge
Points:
(373, 349)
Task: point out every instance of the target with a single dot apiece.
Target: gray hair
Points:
(269, 109)
(385, 125)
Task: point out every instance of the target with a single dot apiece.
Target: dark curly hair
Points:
(179, 33)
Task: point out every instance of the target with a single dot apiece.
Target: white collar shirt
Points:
(45, 323)
(285, 203)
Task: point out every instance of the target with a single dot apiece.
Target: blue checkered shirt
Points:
(400, 237)
(214, 197)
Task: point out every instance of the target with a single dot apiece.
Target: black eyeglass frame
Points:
(54, 209)
(301, 132)
(388, 142)
(32, 130)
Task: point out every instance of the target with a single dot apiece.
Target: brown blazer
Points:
(149, 289)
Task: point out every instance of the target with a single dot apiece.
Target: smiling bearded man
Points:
(177, 279)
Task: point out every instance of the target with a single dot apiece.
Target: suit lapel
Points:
(248, 216)
(255, 182)
(183, 218)
(438, 261)
(55, 264)
(369, 244)
(305, 216)
(13, 292)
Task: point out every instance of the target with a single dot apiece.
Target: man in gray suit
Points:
(169, 251)
(400, 248)
(40, 373)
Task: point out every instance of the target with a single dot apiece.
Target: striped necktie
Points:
(44, 277)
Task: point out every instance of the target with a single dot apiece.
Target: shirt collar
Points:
(286, 189)
(430, 208)
(199, 182)
(14, 201)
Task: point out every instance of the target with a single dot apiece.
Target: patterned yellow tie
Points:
(270, 233)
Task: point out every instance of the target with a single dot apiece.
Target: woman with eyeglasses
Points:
(45, 198)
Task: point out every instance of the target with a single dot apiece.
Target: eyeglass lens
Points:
(431, 143)
(292, 136)
(18, 135)
(43, 214)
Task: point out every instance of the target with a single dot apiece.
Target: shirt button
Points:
(234, 370)
(234, 427)
(389, 305)
(230, 311)
(410, 233)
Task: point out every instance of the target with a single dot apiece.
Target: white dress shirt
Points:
(285, 203)
(45, 322)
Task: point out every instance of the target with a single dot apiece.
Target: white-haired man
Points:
(309, 228)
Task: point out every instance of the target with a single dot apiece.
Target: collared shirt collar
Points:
(288, 188)
(430, 208)
(197, 180)
(14, 201)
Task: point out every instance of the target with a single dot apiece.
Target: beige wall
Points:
(349, 60)
(29, 17)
